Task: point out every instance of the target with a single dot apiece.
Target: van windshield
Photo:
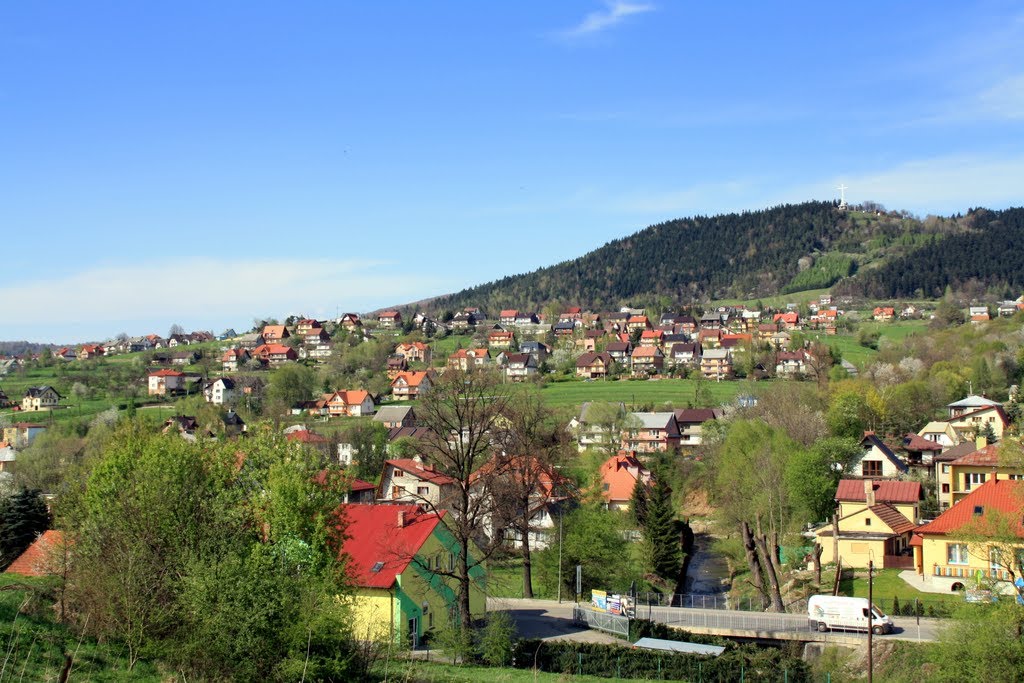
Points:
(877, 613)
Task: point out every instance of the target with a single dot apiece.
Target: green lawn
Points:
(679, 392)
(888, 584)
(436, 672)
(861, 355)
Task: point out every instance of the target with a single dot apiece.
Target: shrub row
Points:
(747, 662)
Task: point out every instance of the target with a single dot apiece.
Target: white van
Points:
(828, 612)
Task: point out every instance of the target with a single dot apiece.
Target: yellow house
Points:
(396, 557)
(875, 522)
(40, 398)
(958, 478)
(980, 535)
(970, 424)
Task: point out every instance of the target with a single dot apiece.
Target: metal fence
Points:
(726, 620)
(616, 624)
(714, 601)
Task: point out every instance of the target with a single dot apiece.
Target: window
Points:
(1016, 477)
(995, 558)
(398, 473)
(972, 479)
(871, 468)
(945, 488)
(956, 553)
(867, 521)
(945, 469)
(422, 491)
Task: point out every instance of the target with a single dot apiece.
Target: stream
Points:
(708, 573)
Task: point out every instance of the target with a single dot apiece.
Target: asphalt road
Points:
(550, 620)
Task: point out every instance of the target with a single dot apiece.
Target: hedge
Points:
(746, 662)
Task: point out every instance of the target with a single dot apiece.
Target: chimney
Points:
(401, 519)
(980, 442)
(869, 492)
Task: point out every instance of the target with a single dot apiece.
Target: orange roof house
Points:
(953, 548)
(619, 475)
(43, 558)
(275, 333)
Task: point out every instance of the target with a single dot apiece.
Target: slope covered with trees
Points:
(989, 255)
(788, 248)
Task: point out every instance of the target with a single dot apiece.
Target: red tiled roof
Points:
(167, 373)
(360, 485)
(509, 313)
(421, 471)
(618, 473)
(413, 379)
(886, 491)
(999, 495)
(36, 559)
(385, 537)
(388, 314)
(306, 436)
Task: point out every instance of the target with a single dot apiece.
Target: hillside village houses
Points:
(40, 398)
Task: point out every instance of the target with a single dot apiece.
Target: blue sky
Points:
(206, 163)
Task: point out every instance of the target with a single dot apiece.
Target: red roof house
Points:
(44, 557)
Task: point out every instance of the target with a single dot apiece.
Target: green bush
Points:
(747, 662)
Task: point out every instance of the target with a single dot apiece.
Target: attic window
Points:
(979, 510)
(377, 566)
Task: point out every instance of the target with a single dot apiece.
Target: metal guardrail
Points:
(616, 624)
(646, 601)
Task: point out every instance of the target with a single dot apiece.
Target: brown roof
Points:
(915, 442)
(892, 518)
(984, 457)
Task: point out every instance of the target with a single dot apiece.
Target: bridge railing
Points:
(719, 601)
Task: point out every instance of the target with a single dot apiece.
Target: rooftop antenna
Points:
(842, 196)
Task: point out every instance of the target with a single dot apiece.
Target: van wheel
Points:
(878, 630)
(822, 627)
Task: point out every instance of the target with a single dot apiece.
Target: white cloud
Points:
(613, 13)
(89, 303)
(1004, 100)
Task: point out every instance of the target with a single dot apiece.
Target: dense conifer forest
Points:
(866, 251)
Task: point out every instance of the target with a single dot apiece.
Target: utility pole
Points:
(560, 553)
(871, 613)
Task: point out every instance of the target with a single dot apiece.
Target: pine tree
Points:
(23, 517)
(662, 535)
(639, 502)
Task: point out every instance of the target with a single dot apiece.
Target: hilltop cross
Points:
(842, 196)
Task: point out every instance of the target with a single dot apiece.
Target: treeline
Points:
(991, 253)
(737, 255)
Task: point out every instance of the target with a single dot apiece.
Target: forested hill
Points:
(740, 255)
(987, 255)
